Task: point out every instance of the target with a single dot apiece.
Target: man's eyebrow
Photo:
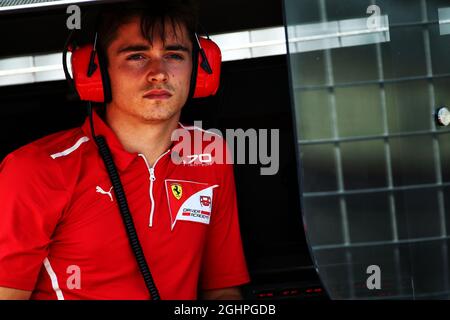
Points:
(176, 47)
(133, 47)
(145, 47)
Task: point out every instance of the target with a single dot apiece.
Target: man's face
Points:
(150, 81)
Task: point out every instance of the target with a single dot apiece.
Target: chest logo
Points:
(101, 191)
(196, 204)
(177, 190)
(205, 201)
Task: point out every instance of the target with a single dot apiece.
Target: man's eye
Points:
(135, 57)
(175, 56)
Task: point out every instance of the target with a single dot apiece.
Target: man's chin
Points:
(157, 117)
(157, 112)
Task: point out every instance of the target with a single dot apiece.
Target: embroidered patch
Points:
(196, 204)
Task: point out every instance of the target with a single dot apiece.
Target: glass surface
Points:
(318, 168)
(367, 77)
(359, 112)
(370, 169)
(314, 121)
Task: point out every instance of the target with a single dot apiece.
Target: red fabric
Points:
(57, 216)
(89, 88)
(207, 84)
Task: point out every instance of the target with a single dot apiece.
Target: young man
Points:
(61, 233)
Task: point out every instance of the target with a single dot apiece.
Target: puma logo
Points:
(100, 190)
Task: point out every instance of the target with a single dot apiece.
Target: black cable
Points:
(105, 153)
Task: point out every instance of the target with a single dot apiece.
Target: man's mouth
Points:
(157, 94)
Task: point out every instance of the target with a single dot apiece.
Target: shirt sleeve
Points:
(31, 202)
(224, 262)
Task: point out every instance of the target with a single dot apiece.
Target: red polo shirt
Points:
(62, 235)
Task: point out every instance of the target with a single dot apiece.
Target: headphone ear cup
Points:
(89, 88)
(207, 83)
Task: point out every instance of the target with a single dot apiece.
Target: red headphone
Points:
(92, 82)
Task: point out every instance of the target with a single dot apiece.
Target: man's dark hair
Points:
(153, 14)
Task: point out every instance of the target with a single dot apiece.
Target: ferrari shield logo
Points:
(177, 190)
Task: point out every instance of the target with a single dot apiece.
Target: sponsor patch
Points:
(196, 204)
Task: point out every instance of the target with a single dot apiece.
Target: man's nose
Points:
(157, 71)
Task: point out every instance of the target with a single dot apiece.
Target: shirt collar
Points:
(122, 158)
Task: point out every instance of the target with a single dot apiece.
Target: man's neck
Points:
(148, 138)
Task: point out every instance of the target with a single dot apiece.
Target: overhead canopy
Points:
(39, 26)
